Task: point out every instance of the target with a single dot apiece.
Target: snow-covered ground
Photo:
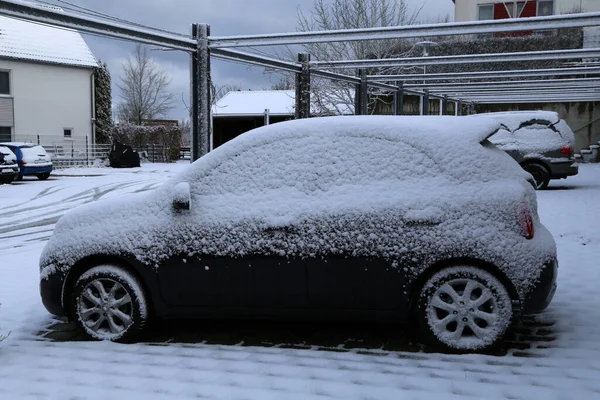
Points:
(566, 366)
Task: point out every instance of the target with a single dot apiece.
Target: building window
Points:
(5, 134)
(4, 82)
(545, 7)
(68, 132)
(486, 11)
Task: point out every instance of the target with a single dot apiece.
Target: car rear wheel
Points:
(43, 176)
(540, 175)
(464, 308)
(109, 303)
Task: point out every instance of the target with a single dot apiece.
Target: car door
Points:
(355, 269)
(239, 262)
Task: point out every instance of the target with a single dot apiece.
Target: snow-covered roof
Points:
(23, 40)
(255, 102)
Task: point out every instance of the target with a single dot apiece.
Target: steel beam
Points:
(303, 88)
(545, 100)
(194, 109)
(411, 31)
(399, 100)
(461, 59)
(97, 26)
(525, 83)
(488, 74)
(200, 140)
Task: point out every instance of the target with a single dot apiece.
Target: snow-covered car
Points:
(32, 159)
(539, 141)
(9, 169)
(370, 218)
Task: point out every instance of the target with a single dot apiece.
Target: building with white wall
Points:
(46, 85)
(473, 10)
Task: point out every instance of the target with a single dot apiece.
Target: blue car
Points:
(32, 159)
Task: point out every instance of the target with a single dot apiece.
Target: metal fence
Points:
(79, 152)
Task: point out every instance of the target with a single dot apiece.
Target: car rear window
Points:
(33, 151)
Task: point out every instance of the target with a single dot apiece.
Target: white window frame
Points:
(537, 12)
(68, 129)
(479, 6)
(10, 88)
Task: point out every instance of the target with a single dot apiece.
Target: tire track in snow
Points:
(18, 223)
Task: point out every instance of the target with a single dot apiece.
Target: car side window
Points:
(309, 164)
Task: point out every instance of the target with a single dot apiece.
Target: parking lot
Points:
(555, 355)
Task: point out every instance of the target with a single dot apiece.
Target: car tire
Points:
(19, 177)
(540, 174)
(43, 177)
(463, 309)
(6, 181)
(109, 303)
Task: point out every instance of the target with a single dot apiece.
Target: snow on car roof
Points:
(446, 130)
(514, 119)
(19, 144)
(452, 141)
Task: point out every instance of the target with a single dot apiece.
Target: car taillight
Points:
(526, 221)
(566, 150)
(23, 162)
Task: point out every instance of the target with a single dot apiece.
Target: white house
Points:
(46, 85)
(473, 10)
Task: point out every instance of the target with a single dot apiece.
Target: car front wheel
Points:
(464, 308)
(109, 303)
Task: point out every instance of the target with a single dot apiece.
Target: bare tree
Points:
(285, 82)
(186, 132)
(332, 97)
(221, 90)
(144, 89)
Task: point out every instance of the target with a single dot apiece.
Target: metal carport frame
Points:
(202, 47)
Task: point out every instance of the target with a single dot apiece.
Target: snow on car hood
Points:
(458, 210)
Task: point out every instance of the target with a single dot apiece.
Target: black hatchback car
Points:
(352, 218)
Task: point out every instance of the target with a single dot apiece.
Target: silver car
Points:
(539, 141)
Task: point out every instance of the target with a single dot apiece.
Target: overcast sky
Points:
(226, 17)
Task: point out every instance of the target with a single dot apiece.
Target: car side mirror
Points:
(182, 197)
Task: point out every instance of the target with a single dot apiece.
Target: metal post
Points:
(267, 116)
(399, 100)
(444, 105)
(200, 92)
(362, 98)
(303, 87)
(459, 106)
(194, 131)
(425, 110)
(87, 152)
